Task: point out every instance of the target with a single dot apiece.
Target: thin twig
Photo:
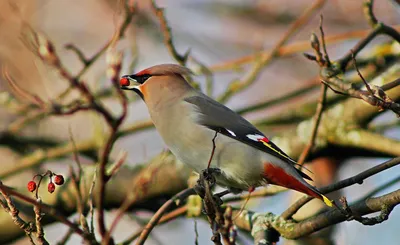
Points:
(49, 210)
(289, 49)
(391, 85)
(27, 96)
(379, 29)
(10, 208)
(294, 230)
(381, 188)
(168, 42)
(178, 198)
(357, 179)
(38, 223)
(369, 13)
(208, 75)
(66, 237)
(118, 163)
(115, 66)
(165, 218)
(317, 119)
(65, 149)
(196, 233)
(141, 183)
(281, 99)
(76, 181)
(213, 150)
(374, 95)
(321, 30)
(360, 75)
(383, 216)
(260, 64)
(79, 201)
(322, 99)
(120, 32)
(91, 201)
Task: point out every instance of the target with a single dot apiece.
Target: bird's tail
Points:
(293, 180)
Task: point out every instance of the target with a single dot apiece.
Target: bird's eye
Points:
(142, 79)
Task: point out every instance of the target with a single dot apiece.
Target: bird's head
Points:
(156, 80)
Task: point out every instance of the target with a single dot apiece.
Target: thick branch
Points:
(169, 177)
(291, 230)
(357, 179)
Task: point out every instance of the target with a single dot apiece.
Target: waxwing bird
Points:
(188, 120)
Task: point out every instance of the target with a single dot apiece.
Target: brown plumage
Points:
(187, 121)
(165, 69)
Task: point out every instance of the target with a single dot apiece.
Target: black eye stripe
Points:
(140, 79)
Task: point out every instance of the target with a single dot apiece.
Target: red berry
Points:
(58, 179)
(31, 186)
(124, 82)
(51, 187)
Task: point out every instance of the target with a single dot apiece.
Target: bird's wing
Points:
(221, 119)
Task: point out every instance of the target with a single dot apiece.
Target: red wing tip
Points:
(265, 139)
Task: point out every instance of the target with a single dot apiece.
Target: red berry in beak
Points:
(124, 81)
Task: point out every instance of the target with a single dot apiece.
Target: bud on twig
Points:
(315, 42)
(40, 45)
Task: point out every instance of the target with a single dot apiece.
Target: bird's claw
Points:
(208, 175)
(217, 203)
(217, 199)
(199, 189)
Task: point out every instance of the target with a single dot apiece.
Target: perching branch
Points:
(341, 124)
(357, 179)
(289, 229)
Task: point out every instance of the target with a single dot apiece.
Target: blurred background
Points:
(216, 32)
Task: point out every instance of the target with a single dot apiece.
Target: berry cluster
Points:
(55, 179)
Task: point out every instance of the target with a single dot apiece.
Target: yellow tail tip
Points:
(327, 201)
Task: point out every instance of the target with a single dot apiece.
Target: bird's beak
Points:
(127, 82)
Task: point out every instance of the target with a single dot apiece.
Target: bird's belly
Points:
(240, 164)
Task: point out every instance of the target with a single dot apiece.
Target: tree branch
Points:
(250, 221)
(261, 62)
(357, 179)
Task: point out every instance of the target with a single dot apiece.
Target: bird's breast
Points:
(193, 144)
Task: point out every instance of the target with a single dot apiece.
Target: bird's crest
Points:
(165, 69)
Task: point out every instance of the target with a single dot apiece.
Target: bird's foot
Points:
(203, 188)
(215, 203)
(223, 193)
(200, 189)
(209, 174)
(217, 197)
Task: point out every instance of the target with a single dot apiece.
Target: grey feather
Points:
(217, 115)
(225, 121)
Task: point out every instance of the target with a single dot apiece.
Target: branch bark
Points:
(250, 221)
(169, 178)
